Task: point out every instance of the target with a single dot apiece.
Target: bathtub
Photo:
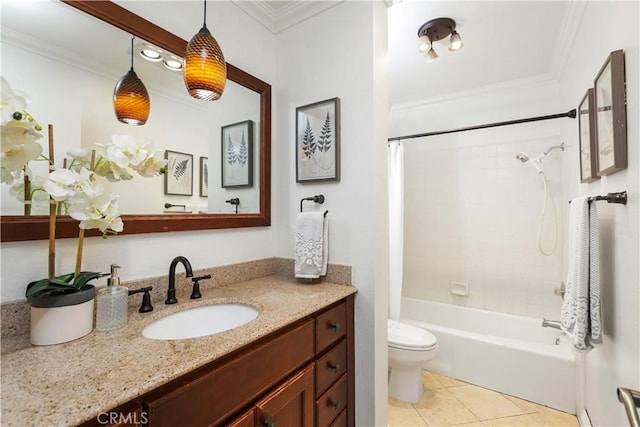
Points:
(503, 352)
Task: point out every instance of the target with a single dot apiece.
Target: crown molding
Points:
(568, 31)
(277, 19)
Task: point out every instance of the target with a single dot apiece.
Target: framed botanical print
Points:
(179, 177)
(611, 115)
(236, 162)
(318, 141)
(587, 137)
(204, 177)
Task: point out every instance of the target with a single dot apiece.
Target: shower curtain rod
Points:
(570, 114)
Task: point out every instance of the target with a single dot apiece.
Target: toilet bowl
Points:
(409, 348)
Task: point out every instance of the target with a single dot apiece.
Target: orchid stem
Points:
(79, 253)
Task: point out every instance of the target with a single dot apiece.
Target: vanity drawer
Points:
(210, 398)
(330, 367)
(332, 403)
(331, 326)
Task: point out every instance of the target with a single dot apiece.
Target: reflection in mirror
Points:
(70, 81)
(66, 80)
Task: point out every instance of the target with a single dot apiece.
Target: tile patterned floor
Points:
(449, 402)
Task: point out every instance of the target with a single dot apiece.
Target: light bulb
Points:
(432, 55)
(455, 42)
(424, 44)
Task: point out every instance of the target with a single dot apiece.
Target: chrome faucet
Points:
(171, 292)
(555, 324)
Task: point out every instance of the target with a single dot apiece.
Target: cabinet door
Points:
(245, 420)
(291, 404)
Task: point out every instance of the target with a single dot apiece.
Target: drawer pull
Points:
(269, 423)
(335, 404)
(334, 366)
(335, 326)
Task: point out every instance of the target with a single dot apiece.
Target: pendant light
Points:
(130, 98)
(205, 71)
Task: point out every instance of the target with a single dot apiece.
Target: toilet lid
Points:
(409, 337)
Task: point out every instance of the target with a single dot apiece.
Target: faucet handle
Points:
(195, 292)
(146, 299)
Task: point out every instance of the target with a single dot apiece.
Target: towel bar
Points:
(631, 401)
(619, 198)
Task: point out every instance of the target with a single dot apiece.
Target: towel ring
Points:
(319, 199)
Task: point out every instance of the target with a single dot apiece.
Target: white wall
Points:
(334, 55)
(473, 211)
(149, 255)
(617, 362)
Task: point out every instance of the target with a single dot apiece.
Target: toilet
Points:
(409, 348)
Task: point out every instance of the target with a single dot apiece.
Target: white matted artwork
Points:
(587, 138)
(318, 141)
(611, 115)
(237, 154)
(179, 177)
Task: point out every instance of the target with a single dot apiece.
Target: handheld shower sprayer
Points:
(536, 163)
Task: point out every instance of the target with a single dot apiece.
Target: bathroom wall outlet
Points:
(459, 288)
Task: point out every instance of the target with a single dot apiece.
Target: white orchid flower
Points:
(10, 102)
(16, 155)
(80, 158)
(60, 184)
(154, 164)
(99, 212)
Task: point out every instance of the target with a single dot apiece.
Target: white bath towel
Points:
(311, 230)
(580, 317)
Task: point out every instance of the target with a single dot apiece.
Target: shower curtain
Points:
(396, 226)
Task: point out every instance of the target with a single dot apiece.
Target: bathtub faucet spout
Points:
(546, 323)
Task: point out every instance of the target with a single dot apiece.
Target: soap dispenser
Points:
(113, 303)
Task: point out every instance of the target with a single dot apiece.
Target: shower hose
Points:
(547, 196)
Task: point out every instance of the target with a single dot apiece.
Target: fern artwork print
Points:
(237, 154)
(179, 177)
(318, 141)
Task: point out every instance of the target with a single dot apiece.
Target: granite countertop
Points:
(70, 383)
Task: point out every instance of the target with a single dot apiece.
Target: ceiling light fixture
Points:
(435, 30)
(130, 98)
(150, 54)
(173, 64)
(205, 71)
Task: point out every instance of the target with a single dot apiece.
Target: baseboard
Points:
(583, 419)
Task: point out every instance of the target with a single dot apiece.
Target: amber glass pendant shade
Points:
(131, 100)
(205, 71)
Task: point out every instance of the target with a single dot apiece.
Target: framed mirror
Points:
(240, 85)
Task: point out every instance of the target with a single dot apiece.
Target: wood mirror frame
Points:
(22, 228)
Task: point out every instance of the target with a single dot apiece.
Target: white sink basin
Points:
(200, 321)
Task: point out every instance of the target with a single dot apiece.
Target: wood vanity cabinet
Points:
(299, 376)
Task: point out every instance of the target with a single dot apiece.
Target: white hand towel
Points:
(580, 316)
(311, 230)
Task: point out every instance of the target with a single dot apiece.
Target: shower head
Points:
(536, 163)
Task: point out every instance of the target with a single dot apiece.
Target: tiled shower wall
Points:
(472, 214)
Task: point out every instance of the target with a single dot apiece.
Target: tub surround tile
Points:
(100, 371)
(485, 404)
(440, 407)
